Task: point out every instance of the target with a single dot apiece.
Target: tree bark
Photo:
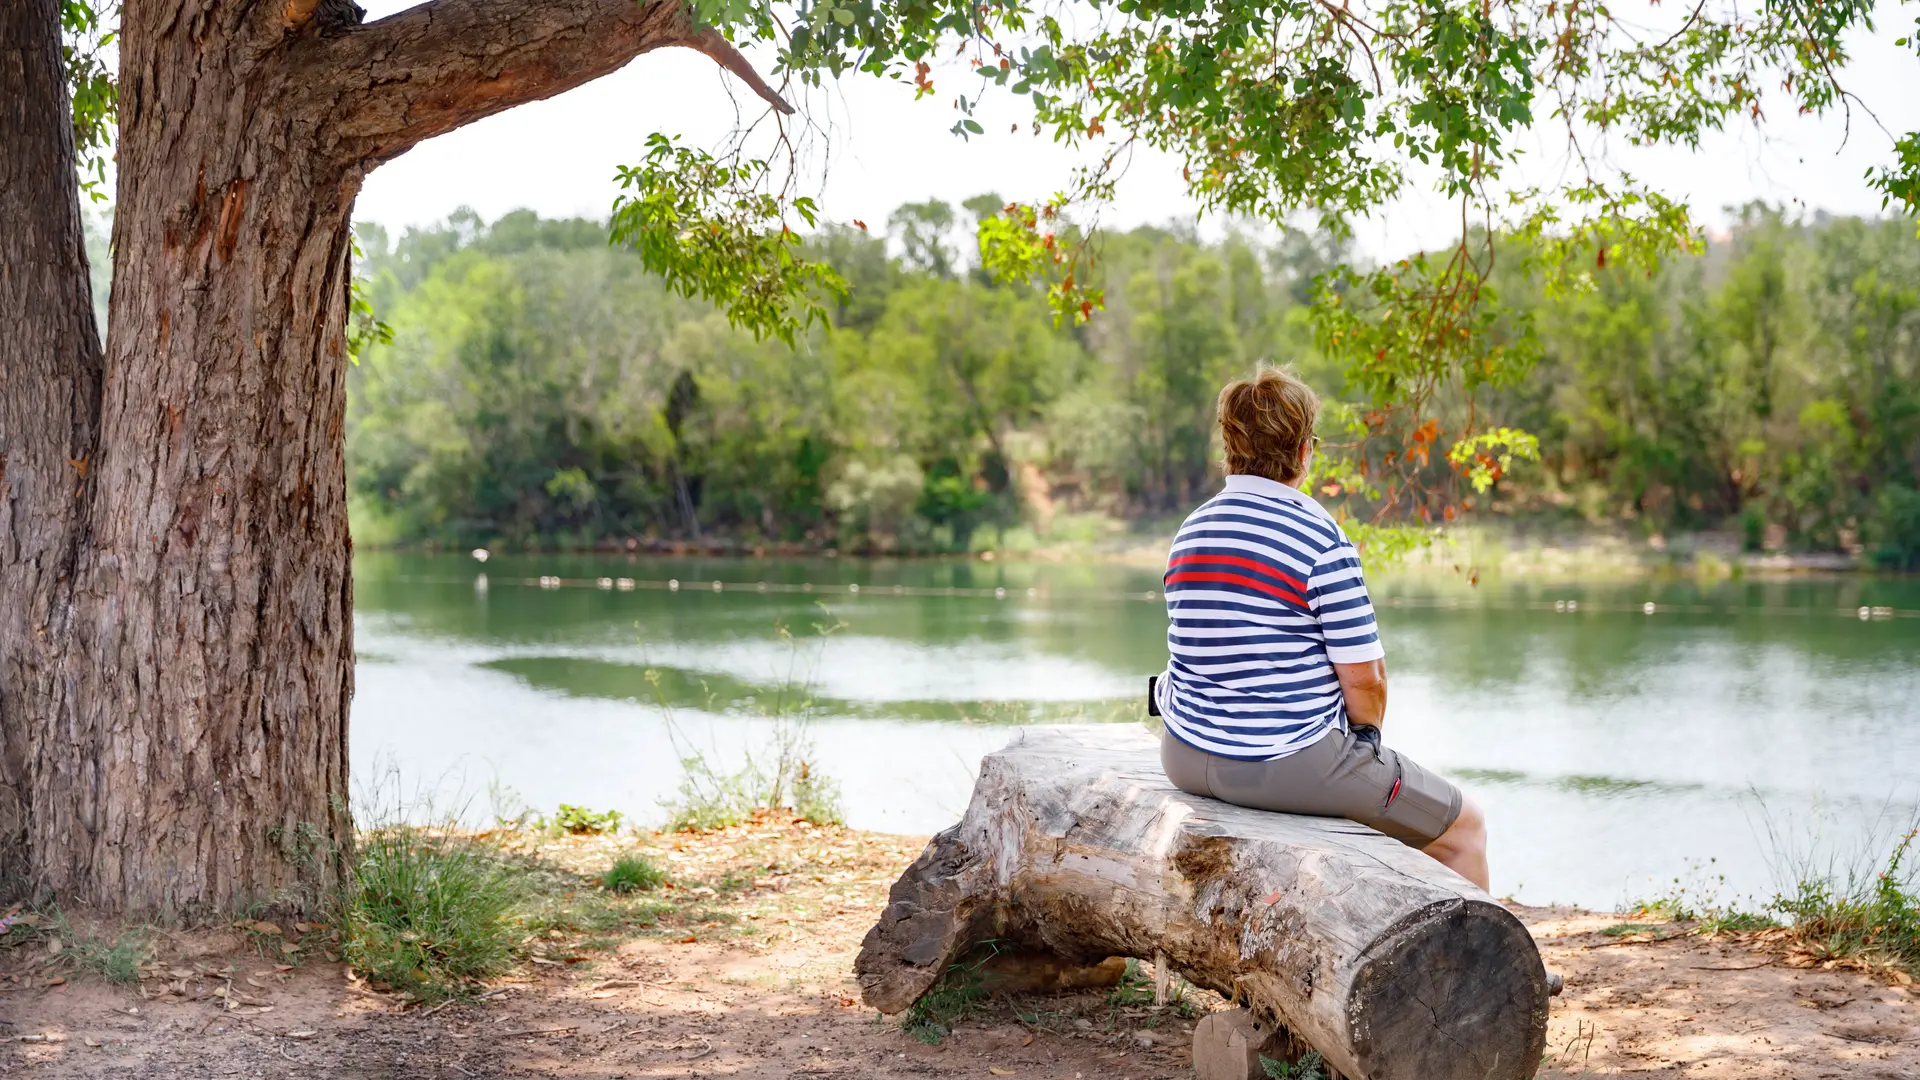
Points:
(50, 368)
(186, 738)
(1076, 845)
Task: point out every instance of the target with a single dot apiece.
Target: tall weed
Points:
(778, 776)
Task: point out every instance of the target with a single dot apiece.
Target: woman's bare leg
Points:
(1463, 847)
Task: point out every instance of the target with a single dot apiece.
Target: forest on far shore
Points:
(542, 389)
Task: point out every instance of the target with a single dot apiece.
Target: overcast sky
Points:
(558, 156)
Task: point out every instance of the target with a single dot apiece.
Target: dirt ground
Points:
(746, 972)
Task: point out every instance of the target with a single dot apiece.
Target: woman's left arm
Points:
(1364, 685)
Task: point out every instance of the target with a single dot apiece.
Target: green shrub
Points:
(1309, 1067)
(429, 913)
(1894, 529)
(1753, 528)
(632, 873)
(580, 821)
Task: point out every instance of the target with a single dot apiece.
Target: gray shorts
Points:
(1338, 776)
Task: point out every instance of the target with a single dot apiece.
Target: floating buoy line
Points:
(481, 583)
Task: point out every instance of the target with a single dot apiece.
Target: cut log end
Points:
(1448, 995)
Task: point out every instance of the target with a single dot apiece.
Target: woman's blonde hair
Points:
(1265, 421)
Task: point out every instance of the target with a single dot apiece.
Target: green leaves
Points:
(1900, 182)
(1485, 457)
(364, 328)
(1021, 245)
(95, 94)
(704, 226)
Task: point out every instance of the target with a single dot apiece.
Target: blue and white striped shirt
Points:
(1264, 596)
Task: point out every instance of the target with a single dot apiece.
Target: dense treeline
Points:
(541, 388)
(1773, 382)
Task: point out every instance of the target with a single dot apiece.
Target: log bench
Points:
(1077, 848)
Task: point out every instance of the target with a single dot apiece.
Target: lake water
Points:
(1614, 749)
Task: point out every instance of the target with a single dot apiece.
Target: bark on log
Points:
(1390, 965)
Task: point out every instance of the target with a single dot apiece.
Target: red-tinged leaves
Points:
(858, 224)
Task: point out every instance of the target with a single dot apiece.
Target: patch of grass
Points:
(1135, 991)
(1134, 988)
(1733, 921)
(1695, 899)
(1873, 919)
(118, 961)
(632, 873)
(430, 912)
(960, 993)
(1868, 918)
(1627, 928)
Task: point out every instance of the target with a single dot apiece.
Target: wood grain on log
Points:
(1075, 843)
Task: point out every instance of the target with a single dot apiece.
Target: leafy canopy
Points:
(1282, 107)
(1275, 108)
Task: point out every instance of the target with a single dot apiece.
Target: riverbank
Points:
(739, 964)
(1481, 547)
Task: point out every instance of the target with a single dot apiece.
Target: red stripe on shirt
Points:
(1236, 579)
(1243, 563)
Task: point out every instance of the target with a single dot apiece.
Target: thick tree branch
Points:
(442, 65)
(715, 45)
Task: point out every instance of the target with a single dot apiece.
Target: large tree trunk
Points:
(198, 759)
(49, 394)
(186, 723)
(1077, 847)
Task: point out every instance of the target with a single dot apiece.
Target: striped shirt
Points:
(1264, 596)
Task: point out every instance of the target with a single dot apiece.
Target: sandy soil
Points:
(750, 977)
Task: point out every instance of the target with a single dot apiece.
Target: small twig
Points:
(1747, 967)
(436, 1008)
(540, 1031)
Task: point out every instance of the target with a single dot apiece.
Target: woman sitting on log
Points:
(1275, 688)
